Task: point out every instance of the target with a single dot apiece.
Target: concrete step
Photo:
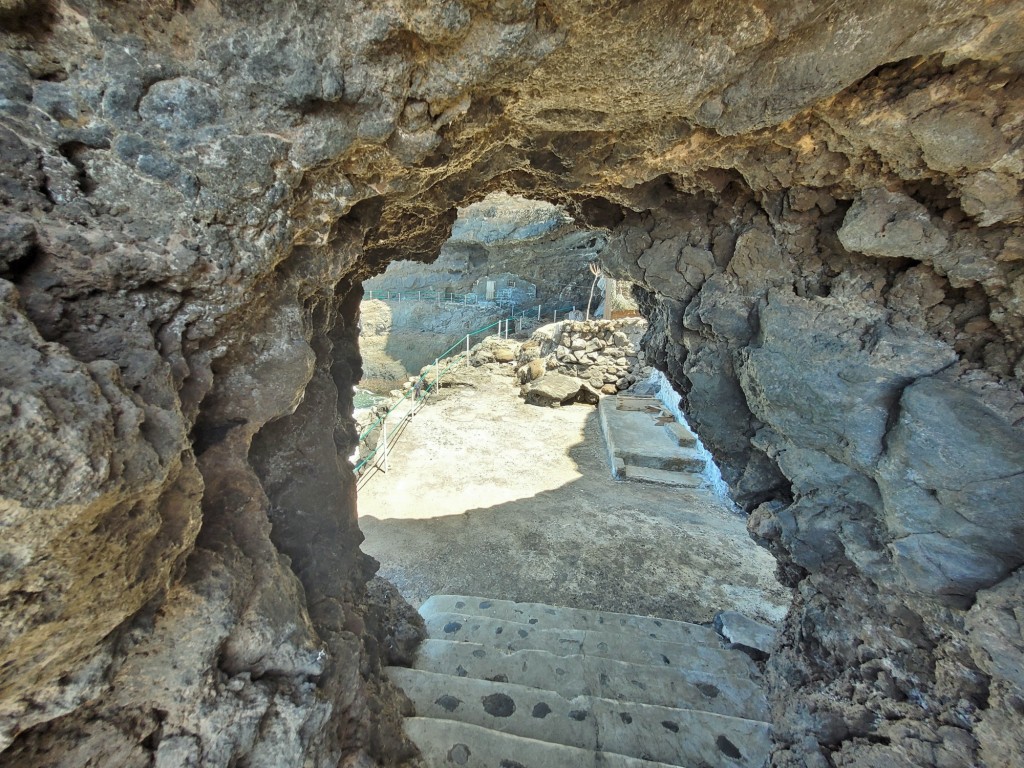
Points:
(662, 476)
(635, 434)
(513, 636)
(541, 616)
(577, 675)
(448, 743)
(681, 460)
(649, 405)
(683, 436)
(662, 734)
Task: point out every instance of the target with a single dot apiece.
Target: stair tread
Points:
(514, 636)
(555, 617)
(683, 436)
(665, 734)
(633, 433)
(445, 743)
(574, 675)
(684, 460)
(663, 476)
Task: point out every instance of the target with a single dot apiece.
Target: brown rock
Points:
(536, 369)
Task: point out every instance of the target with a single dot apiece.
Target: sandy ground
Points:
(485, 495)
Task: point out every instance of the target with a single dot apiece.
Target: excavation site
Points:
(511, 384)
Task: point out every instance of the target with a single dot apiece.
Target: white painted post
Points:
(554, 317)
(437, 374)
(467, 345)
(384, 442)
(538, 311)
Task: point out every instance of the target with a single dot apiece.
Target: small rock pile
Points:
(605, 354)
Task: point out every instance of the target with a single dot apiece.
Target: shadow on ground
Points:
(592, 543)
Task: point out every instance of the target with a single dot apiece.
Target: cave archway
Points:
(536, 508)
(822, 204)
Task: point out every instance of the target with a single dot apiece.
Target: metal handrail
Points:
(437, 374)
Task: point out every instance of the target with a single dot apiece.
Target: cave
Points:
(819, 204)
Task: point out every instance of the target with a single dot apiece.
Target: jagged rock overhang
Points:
(225, 196)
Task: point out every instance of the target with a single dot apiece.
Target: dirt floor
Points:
(485, 495)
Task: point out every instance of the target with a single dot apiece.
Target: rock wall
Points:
(535, 240)
(603, 353)
(822, 207)
(854, 364)
(397, 338)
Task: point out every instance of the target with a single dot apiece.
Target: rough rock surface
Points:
(821, 204)
(553, 390)
(532, 239)
(397, 338)
(745, 632)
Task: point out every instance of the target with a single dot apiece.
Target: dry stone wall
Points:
(605, 354)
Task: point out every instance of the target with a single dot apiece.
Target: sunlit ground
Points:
(488, 496)
(471, 451)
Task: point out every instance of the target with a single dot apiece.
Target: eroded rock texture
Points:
(819, 202)
(531, 239)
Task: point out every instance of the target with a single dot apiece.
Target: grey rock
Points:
(883, 223)
(806, 363)
(958, 139)
(739, 630)
(180, 104)
(953, 474)
(553, 389)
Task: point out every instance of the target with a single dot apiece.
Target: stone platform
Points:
(645, 443)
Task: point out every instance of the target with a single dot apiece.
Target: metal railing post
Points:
(437, 374)
(384, 442)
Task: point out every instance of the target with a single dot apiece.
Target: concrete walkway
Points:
(487, 495)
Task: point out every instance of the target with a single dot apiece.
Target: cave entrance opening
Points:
(488, 494)
(508, 257)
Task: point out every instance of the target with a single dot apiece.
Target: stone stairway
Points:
(646, 444)
(500, 684)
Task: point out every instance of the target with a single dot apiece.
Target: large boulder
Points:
(552, 390)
